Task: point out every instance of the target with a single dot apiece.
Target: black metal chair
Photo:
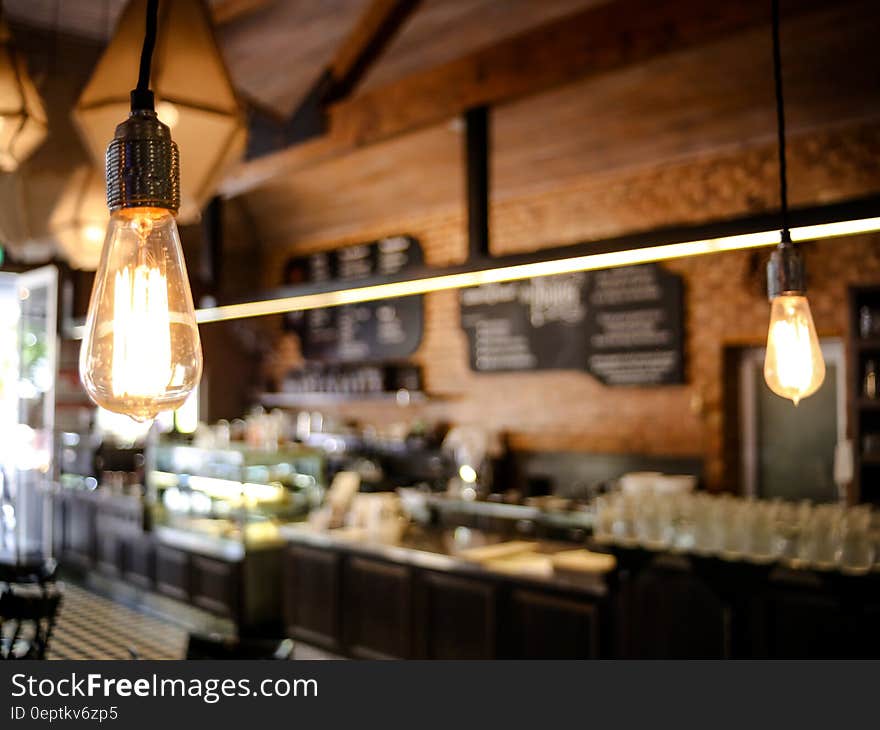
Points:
(203, 646)
(27, 618)
(35, 569)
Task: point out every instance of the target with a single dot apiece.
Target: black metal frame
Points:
(867, 207)
(477, 148)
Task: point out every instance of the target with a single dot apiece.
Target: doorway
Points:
(788, 451)
(28, 342)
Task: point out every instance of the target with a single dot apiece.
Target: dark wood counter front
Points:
(684, 606)
(104, 533)
(417, 598)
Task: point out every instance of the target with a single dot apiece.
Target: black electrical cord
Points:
(785, 270)
(780, 125)
(141, 97)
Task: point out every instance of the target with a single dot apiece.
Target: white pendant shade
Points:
(194, 95)
(79, 221)
(22, 116)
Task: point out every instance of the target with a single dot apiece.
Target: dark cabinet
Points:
(547, 626)
(455, 617)
(260, 591)
(108, 549)
(671, 614)
(799, 626)
(139, 560)
(59, 526)
(838, 617)
(79, 532)
(106, 533)
(215, 585)
(173, 572)
(374, 608)
(311, 596)
(377, 609)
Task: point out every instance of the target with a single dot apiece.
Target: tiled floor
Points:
(92, 627)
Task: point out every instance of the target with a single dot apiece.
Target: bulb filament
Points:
(794, 363)
(141, 366)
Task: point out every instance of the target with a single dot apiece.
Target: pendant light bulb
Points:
(141, 352)
(794, 367)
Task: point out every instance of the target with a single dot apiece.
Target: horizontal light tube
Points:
(500, 274)
(516, 272)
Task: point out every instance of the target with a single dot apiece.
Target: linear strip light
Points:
(820, 222)
(500, 274)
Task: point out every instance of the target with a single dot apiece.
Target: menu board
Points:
(623, 325)
(534, 324)
(636, 333)
(389, 329)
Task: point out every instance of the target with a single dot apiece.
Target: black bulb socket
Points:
(786, 274)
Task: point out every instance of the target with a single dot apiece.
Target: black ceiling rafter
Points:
(371, 35)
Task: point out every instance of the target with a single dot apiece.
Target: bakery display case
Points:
(237, 494)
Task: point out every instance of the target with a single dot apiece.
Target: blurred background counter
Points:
(442, 545)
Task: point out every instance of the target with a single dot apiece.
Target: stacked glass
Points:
(823, 536)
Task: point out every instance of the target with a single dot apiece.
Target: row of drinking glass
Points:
(803, 534)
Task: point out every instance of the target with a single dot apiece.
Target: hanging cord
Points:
(142, 97)
(56, 32)
(780, 125)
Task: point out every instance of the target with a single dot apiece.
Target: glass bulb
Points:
(794, 367)
(141, 353)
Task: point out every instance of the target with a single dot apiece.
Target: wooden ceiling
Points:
(713, 94)
(443, 30)
(277, 49)
(712, 98)
(277, 53)
(698, 101)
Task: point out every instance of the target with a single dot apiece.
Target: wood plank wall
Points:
(635, 150)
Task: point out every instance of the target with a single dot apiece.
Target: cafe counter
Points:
(446, 590)
(446, 593)
(104, 536)
(437, 593)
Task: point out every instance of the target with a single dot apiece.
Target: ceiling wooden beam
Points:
(374, 31)
(364, 44)
(591, 42)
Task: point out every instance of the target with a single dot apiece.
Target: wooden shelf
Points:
(863, 412)
(292, 400)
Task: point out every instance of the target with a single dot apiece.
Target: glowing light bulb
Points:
(794, 367)
(141, 353)
(93, 233)
(167, 113)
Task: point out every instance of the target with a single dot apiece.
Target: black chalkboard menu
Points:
(624, 325)
(389, 329)
(534, 324)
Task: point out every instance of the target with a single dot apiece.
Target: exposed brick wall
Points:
(724, 300)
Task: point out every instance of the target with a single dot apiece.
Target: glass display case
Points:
(236, 493)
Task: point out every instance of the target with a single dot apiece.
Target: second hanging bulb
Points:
(794, 367)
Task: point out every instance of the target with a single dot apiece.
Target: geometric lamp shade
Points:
(79, 220)
(22, 116)
(194, 96)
